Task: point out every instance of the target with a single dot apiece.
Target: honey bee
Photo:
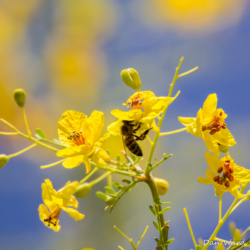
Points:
(128, 130)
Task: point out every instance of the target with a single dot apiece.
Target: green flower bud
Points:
(223, 148)
(110, 200)
(20, 97)
(82, 190)
(131, 78)
(162, 185)
(3, 160)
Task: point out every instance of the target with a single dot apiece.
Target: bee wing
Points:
(123, 138)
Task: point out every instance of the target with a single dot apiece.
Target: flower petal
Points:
(100, 157)
(224, 137)
(190, 123)
(130, 115)
(44, 214)
(204, 180)
(73, 151)
(94, 125)
(209, 107)
(69, 121)
(73, 162)
(212, 161)
(237, 194)
(101, 140)
(115, 128)
(67, 191)
(87, 164)
(211, 143)
(73, 213)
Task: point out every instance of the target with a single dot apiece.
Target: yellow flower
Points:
(210, 125)
(145, 108)
(225, 175)
(56, 201)
(81, 135)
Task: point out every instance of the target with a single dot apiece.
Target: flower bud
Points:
(110, 200)
(131, 78)
(3, 160)
(162, 185)
(20, 97)
(82, 190)
(223, 148)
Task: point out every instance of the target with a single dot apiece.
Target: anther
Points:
(221, 113)
(203, 128)
(80, 131)
(220, 170)
(228, 174)
(231, 178)
(227, 184)
(216, 178)
(213, 131)
(219, 182)
(231, 170)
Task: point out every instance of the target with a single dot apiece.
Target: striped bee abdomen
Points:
(133, 146)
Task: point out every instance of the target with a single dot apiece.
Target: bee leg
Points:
(137, 128)
(144, 134)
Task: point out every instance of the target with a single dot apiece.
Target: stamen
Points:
(219, 182)
(227, 184)
(216, 178)
(220, 169)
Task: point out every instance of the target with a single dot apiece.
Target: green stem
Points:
(110, 181)
(22, 151)
(173, 132)
(164, 228)
(88, 176)
(189, 226)
(141, 237)
(51, 142)
(29, 138)
(8, 133)
(100, 178)
(224, 218)
(52, 164)
(157, 135)
(160, 162)
(220, 205)
(124, 191)
(26, 122)
(113, 170)
(240, 202)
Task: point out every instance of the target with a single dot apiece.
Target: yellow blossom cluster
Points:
(210, 125)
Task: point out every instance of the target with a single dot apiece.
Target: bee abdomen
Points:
(133, 146)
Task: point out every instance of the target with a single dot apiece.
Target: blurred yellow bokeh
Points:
(193, 15)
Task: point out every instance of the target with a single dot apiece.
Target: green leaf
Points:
(128, 190)
(109, 190)
(118, 158)
(158, 241)
(57, 142)
(126, 181)
(168, 241)
(101, 195)
(165, 203)
(40, 133)
(112, 195)
(133, 157)
(164, 210)
(153, 210)
(156, 225)
(117, 185)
